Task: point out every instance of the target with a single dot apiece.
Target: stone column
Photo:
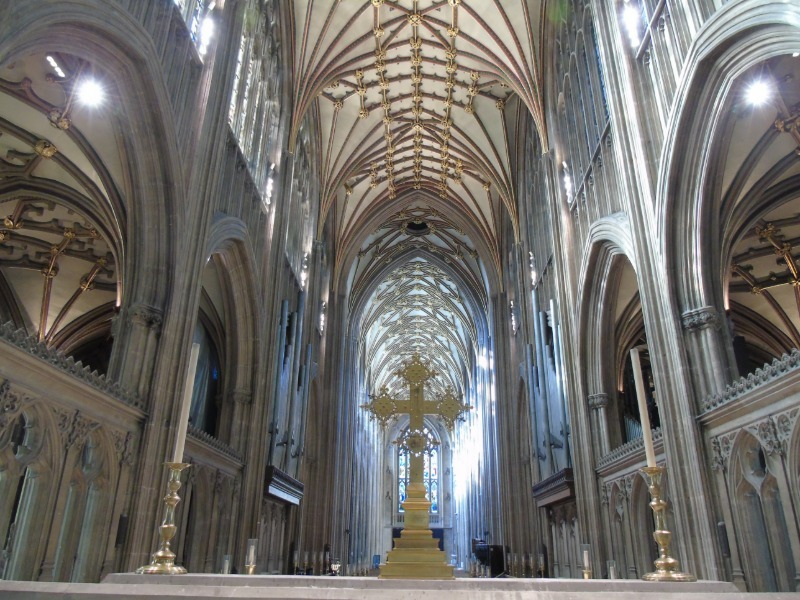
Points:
(138, 334)
(711, 361)
(240, 401)
(598, 403)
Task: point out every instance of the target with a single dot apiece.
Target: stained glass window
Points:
(430, 473)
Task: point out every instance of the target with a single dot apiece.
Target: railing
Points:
(211, 441)
(769, 372)
(20, 339)
(627, 450)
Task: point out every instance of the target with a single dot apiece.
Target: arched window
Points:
(207, 383)
(430, 472)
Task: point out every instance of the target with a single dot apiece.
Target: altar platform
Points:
(124, 586)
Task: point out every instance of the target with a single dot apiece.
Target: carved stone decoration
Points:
(237, 488)
(629, 479)
(129, 454)
(211, 441)
(123, 446)
(784, 426)
(191, 476)
(243, 397)
(717, 462)
(623, 452)
(598, 401)
(11, 403)
(767, 434)
(721, 447)
(700, 318)
(148, 316)
(64, 420)
(81, 428)
(605, 491)
(119, 439)
(619, 502)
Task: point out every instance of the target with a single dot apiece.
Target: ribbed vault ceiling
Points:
(421, 277)
(417, 309)
(411, 97)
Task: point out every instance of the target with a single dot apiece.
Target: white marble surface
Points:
(125, 586)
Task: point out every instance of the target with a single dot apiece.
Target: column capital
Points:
(142, 314)
(598, 401)
(701, 318)
(241, 396)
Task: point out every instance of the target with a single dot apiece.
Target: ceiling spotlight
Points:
(757, 93)
(90, 93)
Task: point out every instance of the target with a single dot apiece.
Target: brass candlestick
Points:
(163, 560)
(666, 566)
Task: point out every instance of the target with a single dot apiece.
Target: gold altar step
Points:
(407, 563)
(416, 558)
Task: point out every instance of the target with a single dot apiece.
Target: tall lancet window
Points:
(207, 380)
(430, 472)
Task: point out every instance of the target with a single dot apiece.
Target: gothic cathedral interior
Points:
(233, 223)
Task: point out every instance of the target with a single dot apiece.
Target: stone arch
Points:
(95, 534)
(609, 249)
(83, 531)
(609, 241)
(642, 525)
(229, 240)
(198, 511)
(792, 445)
(35, 488)
(617, 510)
(759, 516)
(738, 37)
(117, 41)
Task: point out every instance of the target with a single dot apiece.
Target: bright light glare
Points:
(268, 192)
(91, 93)
(567, 180)
(206, 33)
(758, 93)
(630, 18)
(270, 185)
(55, 66)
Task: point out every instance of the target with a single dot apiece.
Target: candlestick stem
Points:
(666, 566)
(163, 560)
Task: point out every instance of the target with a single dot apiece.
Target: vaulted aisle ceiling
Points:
(410, 99)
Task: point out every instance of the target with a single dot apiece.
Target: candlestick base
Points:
(666, 566)
(163, 559)
(251, 569)
(587, 573)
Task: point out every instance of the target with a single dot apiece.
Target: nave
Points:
(229, 225)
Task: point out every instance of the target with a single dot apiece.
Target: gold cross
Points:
(416, 373)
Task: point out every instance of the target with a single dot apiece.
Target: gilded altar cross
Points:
(416, 374)
(416, 553)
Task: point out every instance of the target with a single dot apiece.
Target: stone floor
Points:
(125, 586)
